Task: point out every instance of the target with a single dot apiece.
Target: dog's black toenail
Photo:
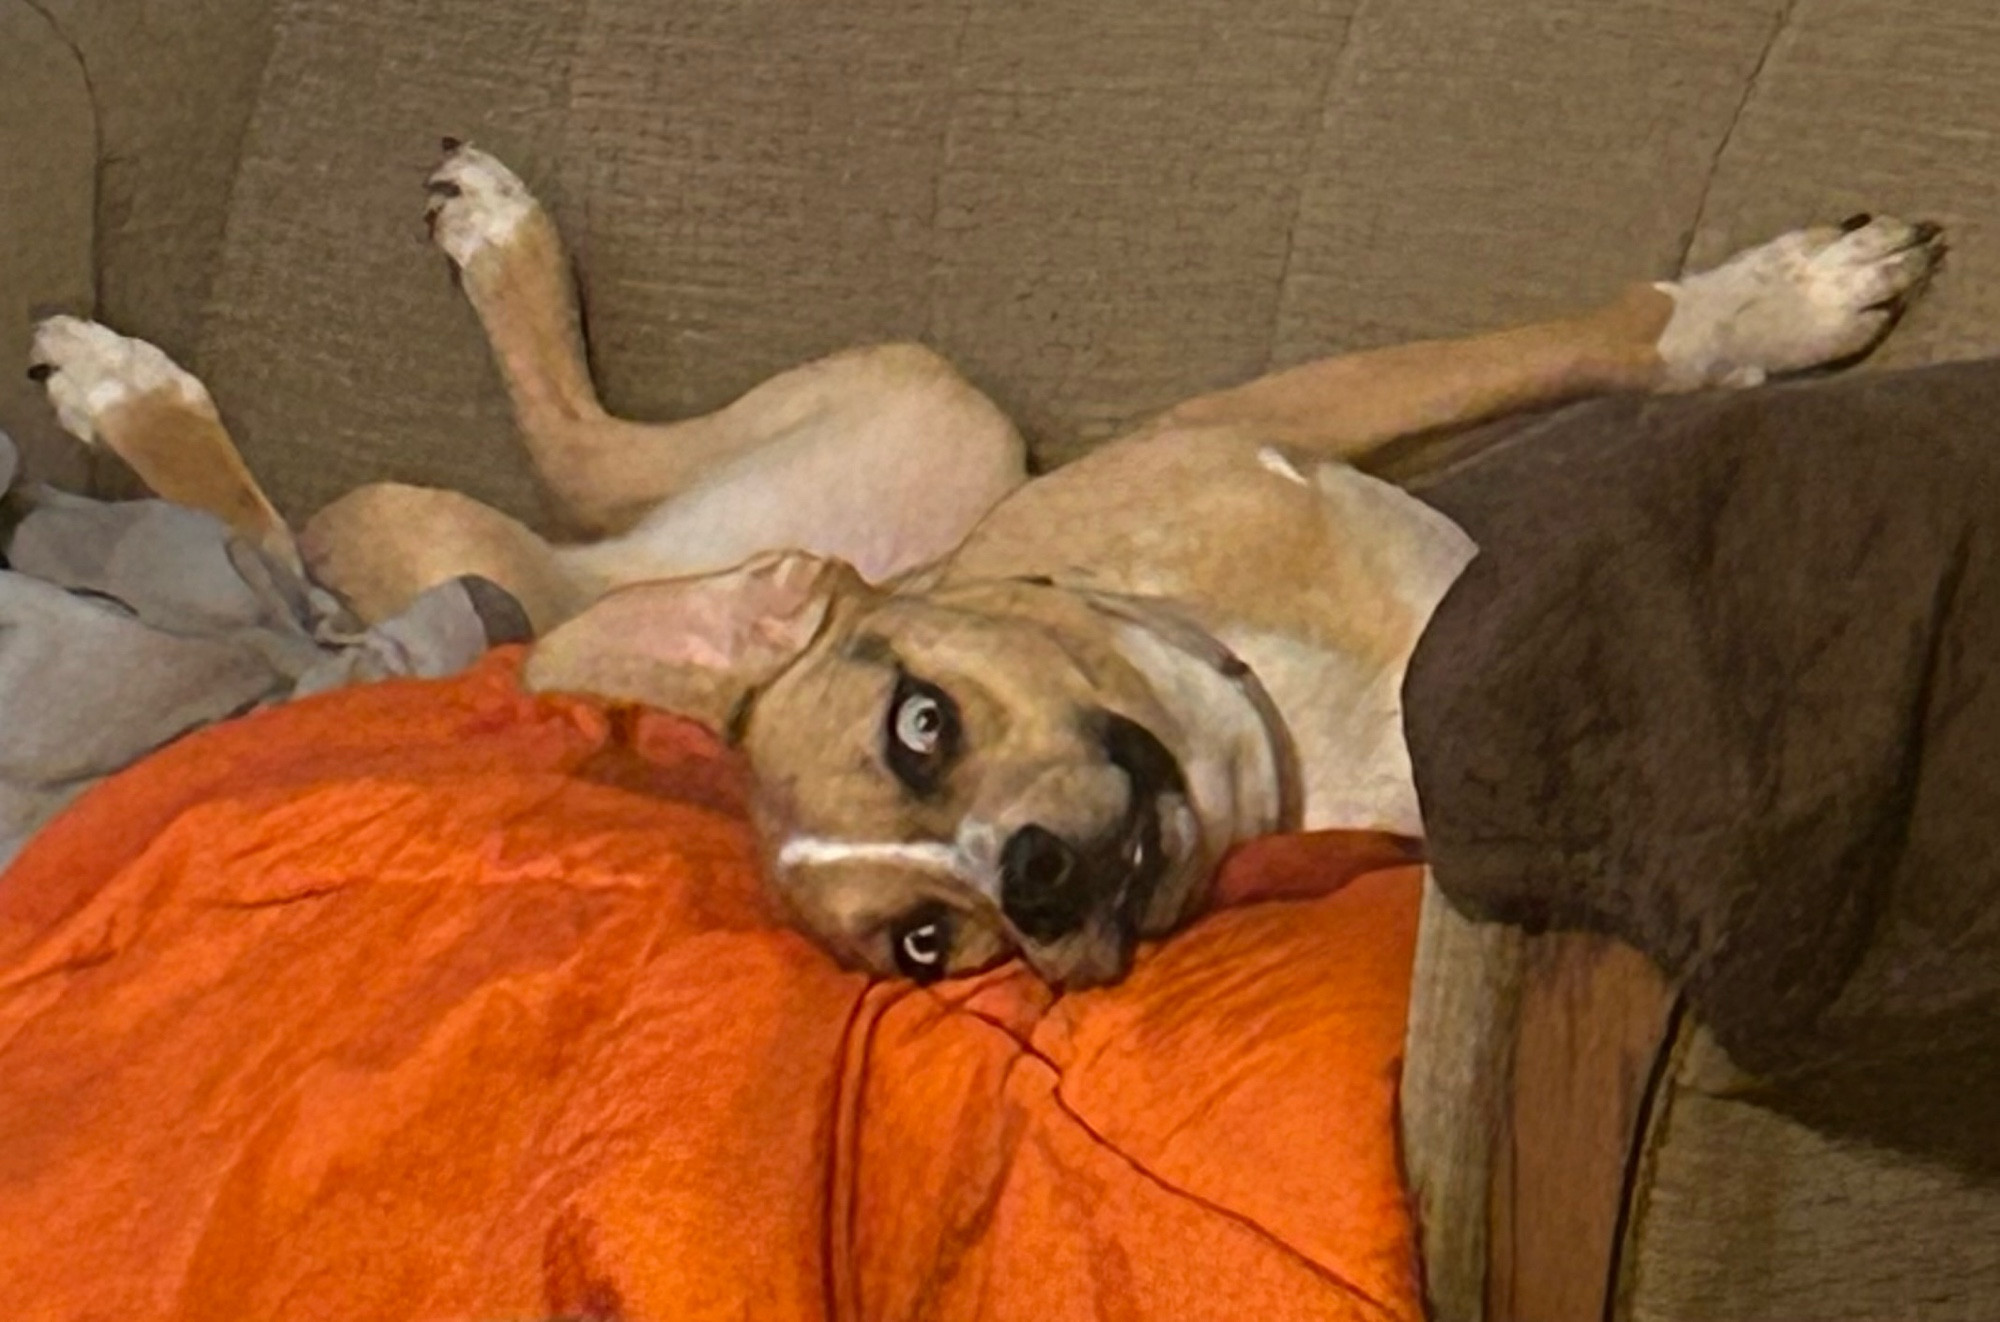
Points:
(442, 188)
(1856, 221)
(451, 144)
(1928, 230)
(41, 371)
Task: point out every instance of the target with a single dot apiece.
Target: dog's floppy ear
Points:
(697, 646)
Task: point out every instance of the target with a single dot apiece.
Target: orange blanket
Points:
(436, 1001)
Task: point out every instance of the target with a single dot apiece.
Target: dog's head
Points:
(943, 777)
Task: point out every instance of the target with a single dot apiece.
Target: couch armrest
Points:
(147, 105)
(1466, 988)
(1530, 1071)
(48, 170)
(175, 86)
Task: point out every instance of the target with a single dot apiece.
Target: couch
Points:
(1094, 209)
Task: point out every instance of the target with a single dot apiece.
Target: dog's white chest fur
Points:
(1345, 709)
(1346, 721)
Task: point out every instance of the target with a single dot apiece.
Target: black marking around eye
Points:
(922, 773)
(1138, 752)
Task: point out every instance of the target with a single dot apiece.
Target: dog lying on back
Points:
(985, 714)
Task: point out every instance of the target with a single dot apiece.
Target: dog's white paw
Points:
(1808, 299)
(476, 203)
(90, 370)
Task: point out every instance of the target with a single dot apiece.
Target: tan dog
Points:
(987, 714)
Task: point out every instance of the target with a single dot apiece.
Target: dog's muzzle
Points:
(1050, 887)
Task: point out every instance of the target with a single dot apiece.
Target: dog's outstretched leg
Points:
(1813, 298)
(882, 455)
(109, 389)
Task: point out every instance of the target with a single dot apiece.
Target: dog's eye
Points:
(921, 944)
(920, 724)
(922, 736)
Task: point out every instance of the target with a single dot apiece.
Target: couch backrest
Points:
(1095, 206)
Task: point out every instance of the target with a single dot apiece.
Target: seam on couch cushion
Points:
(1779, 24)
(96, 110)
(39, 263)
(1651, 1136)
(1666, 1068)
(1313, 134)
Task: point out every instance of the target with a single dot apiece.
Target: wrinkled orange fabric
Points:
(424, 1001)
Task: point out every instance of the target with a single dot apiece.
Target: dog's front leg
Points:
(1810, 299)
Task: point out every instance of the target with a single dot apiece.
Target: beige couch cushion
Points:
(174, 85)
(1481, 162)
(1087, 206)
(1095, 208)
(48, 154)
(1885, 104)
(335, 343)
(120, 123)
(1747, 1215)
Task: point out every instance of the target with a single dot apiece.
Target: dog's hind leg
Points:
(129, 396)
(382, 545)
(885, 456)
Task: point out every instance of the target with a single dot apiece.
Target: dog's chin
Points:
(1096, 955)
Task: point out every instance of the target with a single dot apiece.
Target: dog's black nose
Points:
(1043, 890)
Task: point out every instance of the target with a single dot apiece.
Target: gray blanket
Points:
(1725, 682)
(123, 626)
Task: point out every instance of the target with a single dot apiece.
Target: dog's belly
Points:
(1318, 576)
(801, 491)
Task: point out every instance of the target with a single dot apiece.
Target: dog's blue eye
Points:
(921, 737)
(919, 724)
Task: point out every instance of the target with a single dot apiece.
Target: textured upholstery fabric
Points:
(1750, 1216)
(1095, 209)
(48, 155)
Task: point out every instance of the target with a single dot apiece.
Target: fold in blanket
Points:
(125, 625)
(1725, 682)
